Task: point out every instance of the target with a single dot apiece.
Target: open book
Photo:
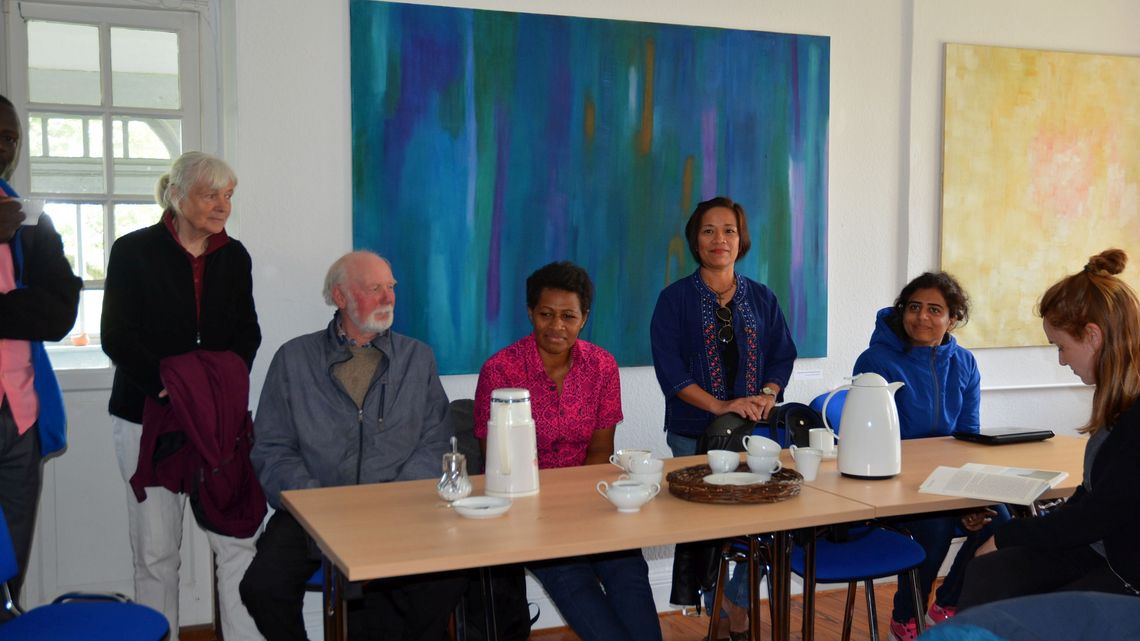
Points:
(1016, 485)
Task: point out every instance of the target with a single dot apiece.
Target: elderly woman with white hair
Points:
(177, 286)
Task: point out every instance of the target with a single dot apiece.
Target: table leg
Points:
(332, 597)
(754, 584)
(781, 583)
(809, 586)
(489, 604)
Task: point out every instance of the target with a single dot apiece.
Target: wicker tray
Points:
(689, 483)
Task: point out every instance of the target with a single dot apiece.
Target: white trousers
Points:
(156, 537)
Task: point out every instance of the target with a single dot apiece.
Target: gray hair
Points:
(192, 168)
(338, 271)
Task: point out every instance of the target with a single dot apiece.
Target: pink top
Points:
(590, 399)
(17, 377)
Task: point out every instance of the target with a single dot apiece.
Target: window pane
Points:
(65, 137)
(94, 263)
(132, 216)
(91, 310)
(95, 137)
(150, 144)
(63, 74)
(63, 215)
(144, 68)
(35, 137)
(62, 166)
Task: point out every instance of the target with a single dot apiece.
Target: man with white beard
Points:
(354, 403)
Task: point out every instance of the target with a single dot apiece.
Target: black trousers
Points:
(20, 480)
(1020, 571)
(413, 608)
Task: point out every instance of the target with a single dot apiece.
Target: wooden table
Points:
(398, 529)
(899, 495)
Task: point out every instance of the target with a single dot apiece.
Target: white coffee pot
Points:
(512, 452)
(869, 434)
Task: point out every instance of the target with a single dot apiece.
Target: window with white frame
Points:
(111, 97)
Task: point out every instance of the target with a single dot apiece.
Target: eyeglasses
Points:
(725, 334)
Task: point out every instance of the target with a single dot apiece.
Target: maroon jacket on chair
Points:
(199, 441)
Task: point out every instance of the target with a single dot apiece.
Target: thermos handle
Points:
(828, 400)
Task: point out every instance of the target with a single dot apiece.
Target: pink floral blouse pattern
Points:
(564, 424)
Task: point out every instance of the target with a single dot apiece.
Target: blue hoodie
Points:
(943, 386)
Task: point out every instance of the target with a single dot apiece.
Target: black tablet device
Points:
(1004, 435)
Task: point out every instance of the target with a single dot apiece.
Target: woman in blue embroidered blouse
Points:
(720, 341)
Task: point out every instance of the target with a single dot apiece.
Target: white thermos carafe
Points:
(512, 453)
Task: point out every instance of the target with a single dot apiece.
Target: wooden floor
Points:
(828, 619)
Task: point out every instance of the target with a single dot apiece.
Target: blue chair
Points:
(867, 552)
(91, 617)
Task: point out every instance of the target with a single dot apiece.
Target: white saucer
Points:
(482, 507)
(735, 478)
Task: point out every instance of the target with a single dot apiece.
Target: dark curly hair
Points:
(957, 300)
(693, 227)
(562, 275)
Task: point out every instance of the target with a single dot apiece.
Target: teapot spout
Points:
(894, 387)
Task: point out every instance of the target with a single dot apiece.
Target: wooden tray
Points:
(689, 483)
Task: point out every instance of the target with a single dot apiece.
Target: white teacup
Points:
(722, 461)
(628, 496)
(646, 465)
(822, 439)
(622, 458)
(761, 446)
(33, 208)
(649, 478)
(807, 461)
(764, 464)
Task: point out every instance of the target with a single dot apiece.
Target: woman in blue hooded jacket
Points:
(942, 394)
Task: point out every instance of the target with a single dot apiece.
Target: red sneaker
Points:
(903, 631)
(938, 614)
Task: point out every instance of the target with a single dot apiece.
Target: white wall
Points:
(292, 151)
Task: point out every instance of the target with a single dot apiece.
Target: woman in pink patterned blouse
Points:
(575, 398)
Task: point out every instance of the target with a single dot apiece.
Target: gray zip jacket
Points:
(310, 433)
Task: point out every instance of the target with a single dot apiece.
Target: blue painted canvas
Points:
(486, 144)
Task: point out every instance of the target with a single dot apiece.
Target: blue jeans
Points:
(934, 534)
(736, 590)
(603, 597)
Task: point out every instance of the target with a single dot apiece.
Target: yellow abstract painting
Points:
(1041, 169)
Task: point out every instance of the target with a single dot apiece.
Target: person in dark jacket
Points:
(720, 344)
(1088, 543)
(912, 343)
(177, 286)
(39, 299)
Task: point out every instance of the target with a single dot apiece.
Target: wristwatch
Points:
(768, 391)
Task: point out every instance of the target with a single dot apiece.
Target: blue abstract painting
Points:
(486, 144)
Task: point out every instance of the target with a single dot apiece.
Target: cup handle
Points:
(792, 448)
(599, 486)
(656, 487)
(623, 477)
(779, 466)
(744, 441)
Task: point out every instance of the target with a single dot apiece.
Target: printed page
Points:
(952, 481)
(1049, 476)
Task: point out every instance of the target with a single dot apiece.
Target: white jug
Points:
(512, 453)
(870, 442)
